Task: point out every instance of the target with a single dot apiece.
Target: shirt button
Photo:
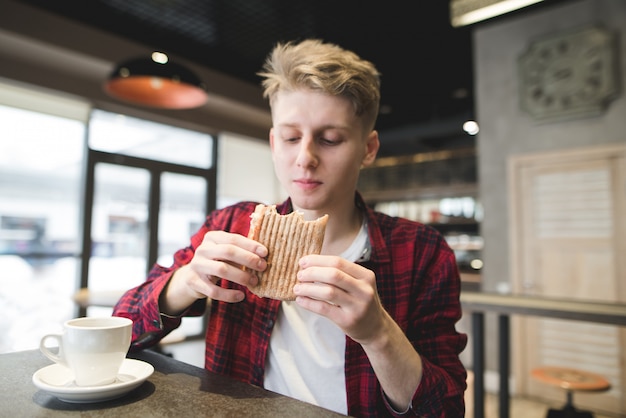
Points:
(269, 324)
(156, 323)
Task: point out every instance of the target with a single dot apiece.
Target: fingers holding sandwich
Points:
(227, 255)
(220, 256)
(342, 291)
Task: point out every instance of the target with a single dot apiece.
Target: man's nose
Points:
(307, 154)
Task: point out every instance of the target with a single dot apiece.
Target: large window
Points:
(150, 188)
(40, 183)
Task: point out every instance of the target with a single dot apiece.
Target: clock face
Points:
(568, 75)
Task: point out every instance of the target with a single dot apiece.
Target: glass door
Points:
(139, 211)
(119, 233)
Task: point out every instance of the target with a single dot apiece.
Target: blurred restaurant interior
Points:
(94, 189)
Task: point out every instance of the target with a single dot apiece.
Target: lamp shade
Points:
(165, 84)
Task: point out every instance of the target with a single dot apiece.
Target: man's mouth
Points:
(307, 184)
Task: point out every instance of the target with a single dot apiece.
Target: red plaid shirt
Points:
(418, 283)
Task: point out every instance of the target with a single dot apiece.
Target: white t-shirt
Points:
(305, 358)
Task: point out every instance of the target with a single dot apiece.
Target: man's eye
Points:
(327, 141)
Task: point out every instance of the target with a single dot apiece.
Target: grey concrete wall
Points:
(507, 130)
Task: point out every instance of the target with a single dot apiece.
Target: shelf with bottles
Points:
(449, 215)
(457, 218)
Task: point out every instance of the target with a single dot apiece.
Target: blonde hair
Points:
(326, 68)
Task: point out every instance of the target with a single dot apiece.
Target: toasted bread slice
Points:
(287, 238)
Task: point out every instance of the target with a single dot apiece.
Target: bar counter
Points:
(175, 389)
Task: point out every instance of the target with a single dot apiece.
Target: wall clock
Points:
(569, 75)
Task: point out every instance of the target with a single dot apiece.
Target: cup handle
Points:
(57, 358)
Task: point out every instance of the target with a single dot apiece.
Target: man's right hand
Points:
(222, 255)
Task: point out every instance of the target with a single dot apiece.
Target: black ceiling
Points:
(425, 63)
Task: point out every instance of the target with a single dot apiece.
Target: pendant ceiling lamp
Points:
(156, 82)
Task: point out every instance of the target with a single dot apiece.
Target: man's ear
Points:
(371, 149)
(272, 139)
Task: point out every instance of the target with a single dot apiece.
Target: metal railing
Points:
(478, 303)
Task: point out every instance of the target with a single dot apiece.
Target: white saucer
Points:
(58, 381)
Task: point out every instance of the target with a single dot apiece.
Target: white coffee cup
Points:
(92, 348)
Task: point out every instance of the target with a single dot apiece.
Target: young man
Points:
(372, 330)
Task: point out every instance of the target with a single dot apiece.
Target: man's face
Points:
(318, 147)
